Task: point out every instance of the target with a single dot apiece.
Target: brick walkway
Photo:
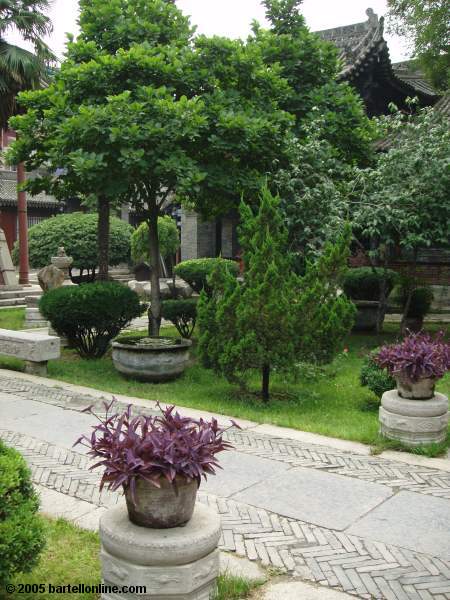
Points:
(330, 556)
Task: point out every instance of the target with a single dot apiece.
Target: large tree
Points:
(21, 69)
(426, 24)
(311, 67)
(140, 112)
(403, 202)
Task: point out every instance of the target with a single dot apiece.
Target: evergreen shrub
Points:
(21, 528)
(197, 271)
(182, 313)
(77, 232)
(90, 316)
(364, 283)
(375, 378)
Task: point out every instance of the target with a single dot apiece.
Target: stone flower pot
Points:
(171, 505)
(419, 390)
(366, 315)
(151, 359)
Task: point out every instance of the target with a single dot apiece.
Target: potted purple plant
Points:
(159, 461)
(416, 364)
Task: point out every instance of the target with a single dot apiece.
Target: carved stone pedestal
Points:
(171, 564)
(414, 422)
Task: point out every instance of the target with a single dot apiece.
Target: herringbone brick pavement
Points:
(395, 474)
(361, 567)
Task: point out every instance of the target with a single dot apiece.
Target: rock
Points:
(144, 289)
(50, 277)
(182, 288)
(142, 271)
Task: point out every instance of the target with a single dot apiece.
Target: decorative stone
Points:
(50, 277)
(181, 563)
(414, 422)
(8, 275)
(182, 288)
(144, 289)
(142, 271)
(33, 347)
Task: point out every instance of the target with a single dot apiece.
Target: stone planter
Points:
(366, 316)
(414, 422)
(171, 505)
(151, 359)
(419, 390)
(181, 563)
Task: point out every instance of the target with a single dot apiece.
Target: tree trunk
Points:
(382, 301)
(103, 208)
(265, 382)
(411, 287)
(155, 307)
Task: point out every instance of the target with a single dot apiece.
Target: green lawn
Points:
(72, 557)
(328, 401)
(12, 318)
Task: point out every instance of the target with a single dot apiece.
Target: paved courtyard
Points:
(373, 527)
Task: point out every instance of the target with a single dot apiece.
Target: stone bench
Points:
(36, 349)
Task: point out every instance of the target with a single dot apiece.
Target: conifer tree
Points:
(273, 318)
(249, 326)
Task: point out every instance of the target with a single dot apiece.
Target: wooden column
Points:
(22, 215)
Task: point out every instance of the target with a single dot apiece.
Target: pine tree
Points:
(324, 315)
(249, 326)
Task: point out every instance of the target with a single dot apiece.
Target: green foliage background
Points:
(169, 240)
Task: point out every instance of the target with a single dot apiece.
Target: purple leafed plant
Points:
(418, 357)
(167, 445)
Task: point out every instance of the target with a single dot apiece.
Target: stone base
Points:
(414, 422)
(33, 318)
(171, 564)
(36, 368)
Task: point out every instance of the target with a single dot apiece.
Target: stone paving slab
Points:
(412, 521)
(316, 497)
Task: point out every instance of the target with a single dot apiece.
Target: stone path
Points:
(369, 526)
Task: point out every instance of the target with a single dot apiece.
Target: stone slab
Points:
(239, 471)
(297, 590)
(410, 520)
(29, 346)
(50, 423)
(317, 497)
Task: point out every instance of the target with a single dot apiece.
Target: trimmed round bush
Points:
(169, 240)
(363, 283)
(77, 232)
(197, 271)
(21, 528)
(91, 315)
(375, 378)
(421, 301)
(182, 313)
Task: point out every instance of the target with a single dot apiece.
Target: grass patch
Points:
(72, 557)
(234, 588)
(329, 400)
(12, 318)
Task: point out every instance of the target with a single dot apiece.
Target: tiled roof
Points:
(361, 44)
(8, 193)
